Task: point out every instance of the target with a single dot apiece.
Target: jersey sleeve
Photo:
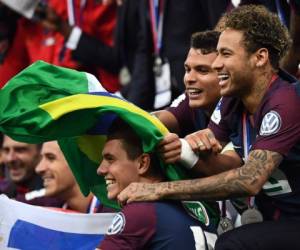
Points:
(132, 228)
(184, 115)
(279, 129)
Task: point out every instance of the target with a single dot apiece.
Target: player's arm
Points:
(168, 119)
(214, 156)
(199, 152)
(246, 180)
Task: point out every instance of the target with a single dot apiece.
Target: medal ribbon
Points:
(223, 210)
(75, 14)
(74, 19)
(246, 148)
(156, 18)
(247, 138)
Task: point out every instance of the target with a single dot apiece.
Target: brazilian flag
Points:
(45, 102)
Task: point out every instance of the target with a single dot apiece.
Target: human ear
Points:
(261, 57)
(143, 164)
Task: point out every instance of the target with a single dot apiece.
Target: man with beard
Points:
(22, 183)
(59, 181)
(259, 114)
(191, 111)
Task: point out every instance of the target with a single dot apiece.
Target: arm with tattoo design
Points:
(243, 181)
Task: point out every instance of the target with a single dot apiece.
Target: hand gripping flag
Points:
(46, 102)
(23, 226)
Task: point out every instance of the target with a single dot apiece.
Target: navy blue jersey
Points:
(189, 119)
(276, 128)
(153, 226)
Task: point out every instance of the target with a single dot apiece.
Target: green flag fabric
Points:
(45, 102)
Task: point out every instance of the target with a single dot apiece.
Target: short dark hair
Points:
(132, 144)
(206, 41)
(261, 29)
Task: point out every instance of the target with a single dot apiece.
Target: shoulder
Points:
(285, 93)
(225, 108)
(179, 101)
(180, 106)
(283, 100)
(134, 216)
(132, 228)
(137, 207)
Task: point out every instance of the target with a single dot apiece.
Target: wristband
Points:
(229, 147)
(188, 158)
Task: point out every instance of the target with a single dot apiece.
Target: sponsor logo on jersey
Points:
(117, 225)
(271, 124)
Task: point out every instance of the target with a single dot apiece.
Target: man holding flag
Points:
(53, 103)
(151, 225)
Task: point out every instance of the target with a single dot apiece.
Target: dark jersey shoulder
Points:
(189, 119)
(276, 128)
(152, 225)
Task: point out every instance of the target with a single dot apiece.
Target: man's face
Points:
(20, 159)
(201, 81)
(55, 172)
(116, 168)
(233, 64)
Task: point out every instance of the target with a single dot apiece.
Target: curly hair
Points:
(261, 29)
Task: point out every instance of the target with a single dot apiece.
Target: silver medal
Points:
(157, 68)
(225, 225)
(251, 215)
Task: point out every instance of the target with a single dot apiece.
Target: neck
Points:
(260, 86)
(151, 179)
(77, 201)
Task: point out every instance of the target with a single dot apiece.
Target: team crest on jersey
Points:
(197, 210)
(117, 225)
(271, 124)
(216, 115)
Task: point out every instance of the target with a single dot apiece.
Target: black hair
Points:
(206, 41)
(261, 29)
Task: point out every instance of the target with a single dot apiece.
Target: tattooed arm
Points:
(243, 181)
